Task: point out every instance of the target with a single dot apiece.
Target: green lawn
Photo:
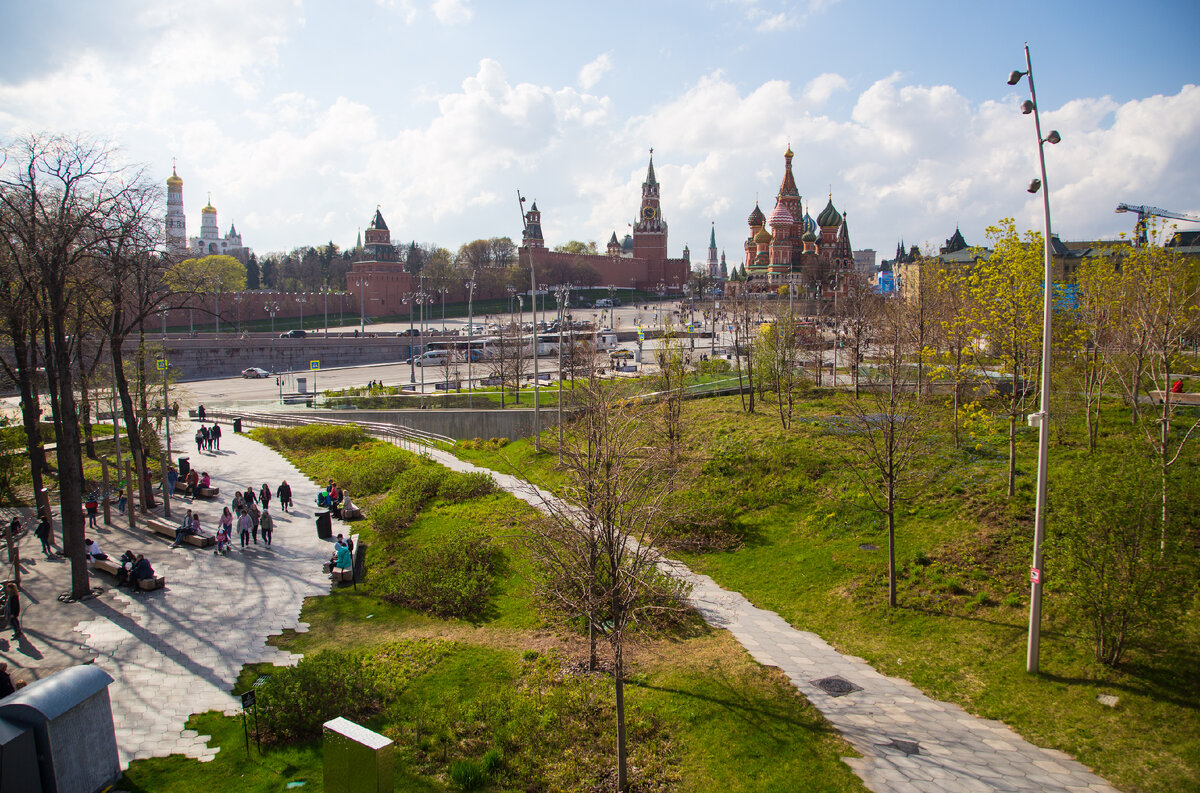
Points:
(702, 714)
(963, 553)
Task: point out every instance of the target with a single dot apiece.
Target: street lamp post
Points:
(470, 332)
(272, 308)
(325, 295)
(1040, 419)
(162, 314)
(238, 297)
(362, 283)
(301, 299)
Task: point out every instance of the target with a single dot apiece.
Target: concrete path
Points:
(178, 651)
(909, 742)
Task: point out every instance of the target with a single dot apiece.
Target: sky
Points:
(299, 118)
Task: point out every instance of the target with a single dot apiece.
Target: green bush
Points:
(314, 436)
(467, 774)
(295, 701)
(452, 577)
(714, 366)
(456, 487)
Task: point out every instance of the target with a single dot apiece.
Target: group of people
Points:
(331, 497)
(193, 482)
(134, 568)
(208, 438)
(374, 384)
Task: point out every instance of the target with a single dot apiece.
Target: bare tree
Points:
(858, 304)
(58, 196)
(597, 544)
(890, 426)
(669, 380)
(743, 312)
(778, 362)
(509, 362)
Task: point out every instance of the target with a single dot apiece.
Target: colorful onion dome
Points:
(829, 216)
(781, 216)
(763, 237)
(757, 218)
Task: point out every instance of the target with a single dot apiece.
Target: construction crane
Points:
(1143, 212)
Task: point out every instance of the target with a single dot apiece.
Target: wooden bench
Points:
(201, 540)
(150, 585)
(201, 492)
(109, 566)
(349, 510)
(1185, 398)
(338, 574)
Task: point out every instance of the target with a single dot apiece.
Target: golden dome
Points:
(209, 210)
(174, 181)
(763, 237)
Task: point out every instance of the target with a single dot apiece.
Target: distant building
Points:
(378, 281)
(811, 257)
(210, 242)
(639, 261)
(864, 263)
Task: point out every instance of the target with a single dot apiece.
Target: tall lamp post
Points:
(272, 308)
(238, 297)
(362, 283)
(470, 332)
(301, 299)
(1039, 419)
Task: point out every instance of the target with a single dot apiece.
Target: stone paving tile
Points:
(958, 753)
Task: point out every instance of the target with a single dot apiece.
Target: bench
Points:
(1185, 398)
(201, 540)
(150, 585)
(201, 492)
(338, 574)
(350, 510)
(109, 566)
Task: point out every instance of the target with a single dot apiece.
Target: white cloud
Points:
(591, 72)
(820, 88)
(452, 12)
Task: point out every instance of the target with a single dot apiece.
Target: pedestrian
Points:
(244, 524)
(250, 496)
(172, 478)
(121, 501)
(206, 437)
(252, 508)
(43, 533)
(12, 607)
(267, 524)
(215, 434)
(200, 412)
(6, 684)
(285, 495)
(238, 504)
(92, 505)
(264, 496)
(199, 441)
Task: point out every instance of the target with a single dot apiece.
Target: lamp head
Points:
(1027, 107)
(1034, 185)
(1053, 137)
(1015, 76)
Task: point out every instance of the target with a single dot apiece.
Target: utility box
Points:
(302, 385)
(70, 717)
(357, 760)
(18, 760)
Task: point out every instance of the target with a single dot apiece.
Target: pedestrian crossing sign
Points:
(314, 365)
(161, 364)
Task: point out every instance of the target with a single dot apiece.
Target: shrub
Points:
(451, 577)
(456, 487)
(713, 366)
(492, 760)
(295, 701)
(467, 774)
(313, 437)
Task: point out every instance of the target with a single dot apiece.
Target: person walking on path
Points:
(215, 434)
(239, 503)
(264, 496)
(252, 508)
(200, 412)
(43, 533)
(92, 505)
(199, 441)
(267, 524)
(172, 478)
(12, 607)
(244, 524)
(121, 502)
(285, 495)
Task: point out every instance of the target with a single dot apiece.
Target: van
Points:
(604, 302)
(433, 358)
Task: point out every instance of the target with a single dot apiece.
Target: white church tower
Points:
(176, 221)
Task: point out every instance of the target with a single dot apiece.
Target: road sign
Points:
(1035, 575)
(314, 365)
(161, 364)
(248, 698)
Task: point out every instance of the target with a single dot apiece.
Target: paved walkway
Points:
(909, 742)
(178, 651)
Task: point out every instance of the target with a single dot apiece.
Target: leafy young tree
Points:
(1104, 540)
(1094, 319)
(575, 246)
(957, 336)
(671, 359)
(1006, 311)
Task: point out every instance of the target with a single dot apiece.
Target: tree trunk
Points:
(1012, 452)
(85, 407)
(30, 411)
(127, 409)
(619, 686)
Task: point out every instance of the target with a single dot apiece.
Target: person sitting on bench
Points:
(193, 482)
(142, 571)
(341, 557)
(205, 481)
(127, 560)
(323, 498)
(93, 550)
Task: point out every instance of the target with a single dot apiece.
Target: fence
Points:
(410, 438)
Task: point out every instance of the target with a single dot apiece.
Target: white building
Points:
(210, 241)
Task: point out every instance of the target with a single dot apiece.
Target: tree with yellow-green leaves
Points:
(1093, 323)
(956, 334)
(217, 273)
(1005, 315)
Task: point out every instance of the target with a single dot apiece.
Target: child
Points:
(222, 541)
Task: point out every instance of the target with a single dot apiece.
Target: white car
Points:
(254, 373)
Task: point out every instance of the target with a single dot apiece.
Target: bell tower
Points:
(649, 228)
(176, 221)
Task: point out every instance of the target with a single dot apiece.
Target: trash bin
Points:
(237, 426)
(185, 465)
(324, 525)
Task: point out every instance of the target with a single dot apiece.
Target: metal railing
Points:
(397, 434)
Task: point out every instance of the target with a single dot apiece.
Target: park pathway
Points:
(178, 651)
(909, 742)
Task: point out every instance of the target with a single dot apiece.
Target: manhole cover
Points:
(836, 686)
(907, 747)
(866, 546)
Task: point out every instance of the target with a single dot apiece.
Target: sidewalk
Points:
(909, 742)
(178, 651)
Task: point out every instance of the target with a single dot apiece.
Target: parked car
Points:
(254, 373)
(293, 334)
